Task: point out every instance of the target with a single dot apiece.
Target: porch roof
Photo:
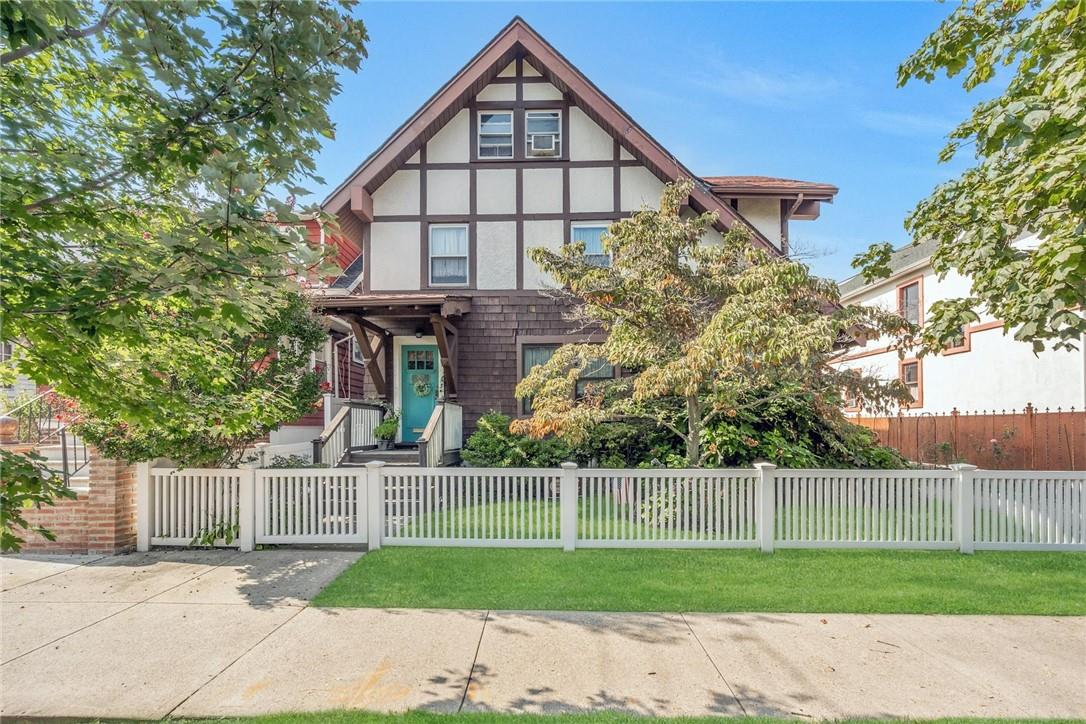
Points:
(394, 305)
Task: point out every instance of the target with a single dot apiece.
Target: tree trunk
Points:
(693, 431)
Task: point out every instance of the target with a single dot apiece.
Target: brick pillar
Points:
(101, 519)
(111, 507)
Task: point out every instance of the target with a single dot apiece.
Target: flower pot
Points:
(384, 444)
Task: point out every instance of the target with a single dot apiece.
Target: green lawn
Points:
(362, 717)
(826, 581)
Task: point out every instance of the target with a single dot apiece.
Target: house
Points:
(985, 370)
(518, 150)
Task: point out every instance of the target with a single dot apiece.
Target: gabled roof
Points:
(769, 186)
(518, 39)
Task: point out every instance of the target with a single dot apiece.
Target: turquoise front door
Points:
(418, 370)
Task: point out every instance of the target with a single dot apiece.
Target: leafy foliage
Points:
(25, 482)
(697, 327)
(386, 429)
(1030, 147)
(493, 445)
(235, 392)
(146, 145)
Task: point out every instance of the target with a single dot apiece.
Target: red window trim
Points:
(919, 282)
(919, 402)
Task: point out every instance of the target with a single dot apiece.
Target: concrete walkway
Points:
(220, 633)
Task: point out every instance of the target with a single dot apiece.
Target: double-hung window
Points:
(908, 302)
(448, 255)
(532, 355)
(592, 237)
(496, 134)
(543, 133)
(910, 375)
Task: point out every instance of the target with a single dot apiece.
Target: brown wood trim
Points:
(448, 363)
(919, 402)
(528, 162)
(866, 353)
(424, 227)
(369, 354)
(520, 227)
(473, 138)
(367, 252)
(566, 206)
(467, 218)
(616, 184)
(504, 80)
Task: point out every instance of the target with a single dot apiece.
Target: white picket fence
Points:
(766, 508)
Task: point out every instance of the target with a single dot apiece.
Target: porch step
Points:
(400, 457)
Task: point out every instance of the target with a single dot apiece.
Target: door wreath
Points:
(422, 385)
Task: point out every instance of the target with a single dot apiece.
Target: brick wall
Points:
(101, 519)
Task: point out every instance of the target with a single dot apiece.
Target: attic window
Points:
(496, 134)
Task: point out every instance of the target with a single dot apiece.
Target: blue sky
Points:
(798, 90)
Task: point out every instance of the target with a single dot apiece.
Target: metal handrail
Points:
(29, 402)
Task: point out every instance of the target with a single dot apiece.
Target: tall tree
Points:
(1030, 146)
(147, 146)
(695, 328)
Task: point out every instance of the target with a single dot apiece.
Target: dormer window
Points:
(543, 133)
(496, 134)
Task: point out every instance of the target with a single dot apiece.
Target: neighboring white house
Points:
(988, 370)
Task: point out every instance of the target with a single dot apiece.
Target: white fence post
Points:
(765, 501)
(963, 505)
(567, 501)
(375, 492)
(247, 508)
(144, 494)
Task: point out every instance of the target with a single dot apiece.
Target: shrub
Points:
(493, 446)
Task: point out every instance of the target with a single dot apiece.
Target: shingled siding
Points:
(488, 348)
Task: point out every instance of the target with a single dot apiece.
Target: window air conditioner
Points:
(543, 144)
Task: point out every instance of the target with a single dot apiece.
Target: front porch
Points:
(409, 345)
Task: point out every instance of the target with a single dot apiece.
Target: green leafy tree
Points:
(236, 391)
(148, 148)
(1030, 146)
(697, 327)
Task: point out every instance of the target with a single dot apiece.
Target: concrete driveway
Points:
(215, 633)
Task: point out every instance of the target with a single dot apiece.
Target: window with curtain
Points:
(592, 236)
(448, 255)
(532, 355)
(496, 134)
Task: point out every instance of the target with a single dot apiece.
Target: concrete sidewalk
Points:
(215, 633)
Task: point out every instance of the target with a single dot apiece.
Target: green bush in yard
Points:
(493, 446)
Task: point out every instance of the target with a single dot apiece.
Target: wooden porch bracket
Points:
(443, 330)
(360, 328)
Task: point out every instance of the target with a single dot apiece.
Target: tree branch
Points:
(68, 34)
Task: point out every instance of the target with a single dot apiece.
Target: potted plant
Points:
(385, 432)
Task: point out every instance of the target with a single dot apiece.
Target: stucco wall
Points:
(588, 142)
(497, 247)
(496, 191)
(998, 372)
(447, 192)
(395, 248)
(765, 214)
(450, 144)
(546, 234)
(398, 195)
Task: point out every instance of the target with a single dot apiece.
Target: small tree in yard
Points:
(147, 148)
(698, 328)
